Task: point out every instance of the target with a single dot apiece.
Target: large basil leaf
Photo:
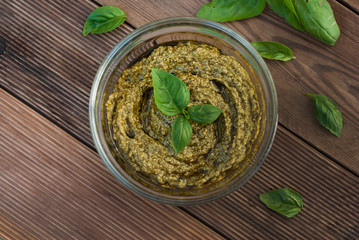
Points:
(204, 114)
(171, 94)
(181, 133)
(285, 9)
(284, 201)
(104, 19)
(313, 16)
(317, 18)
(230, 10)
(327, 113)
(273, 50)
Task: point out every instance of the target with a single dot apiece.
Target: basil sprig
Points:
(313, 16)
(327, 113)
(284, 201)
(273, 50)
(104, 19)
(171, 98)
(230, 10)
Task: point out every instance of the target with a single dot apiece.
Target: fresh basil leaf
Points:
(273, 50)
(285, 9)
(284, 201)
(313, 16)
(204, 113)
(327, 113)
(171, 94)
(104, 19)
(230, 10)
(317, 18)
(181, 133)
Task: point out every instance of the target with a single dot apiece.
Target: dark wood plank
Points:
(48, 63)
(330, 196)
(319, 68)
(352, 4)
(53, 187)
(2, 45)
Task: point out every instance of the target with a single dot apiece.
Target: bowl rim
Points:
(94, 124)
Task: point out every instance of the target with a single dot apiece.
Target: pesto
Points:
(143, 132)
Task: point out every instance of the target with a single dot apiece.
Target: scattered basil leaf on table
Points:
(318, 19)
(313, 16)
(104, 19)
(284, 201)
(171, 94)
(273, 50)
(230, 10)
(181, 133)
(172, 97)
(327, 113)
(285, 9)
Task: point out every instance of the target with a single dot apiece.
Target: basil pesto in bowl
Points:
(136, 139)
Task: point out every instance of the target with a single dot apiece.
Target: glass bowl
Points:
(134, 46)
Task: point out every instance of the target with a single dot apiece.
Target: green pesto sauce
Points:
(144, 134)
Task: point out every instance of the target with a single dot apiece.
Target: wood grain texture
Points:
(2, 45)
(318, 68)
(48, 63)
(352, 4)
(53, 187)
(58, 84)
(330, 196)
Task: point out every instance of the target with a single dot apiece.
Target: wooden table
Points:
(53, 184)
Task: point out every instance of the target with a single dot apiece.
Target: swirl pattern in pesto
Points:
(143, 133)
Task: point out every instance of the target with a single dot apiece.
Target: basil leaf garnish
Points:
(104, 19)
(181, 133)
(273, 50)
(313, 16)
(171, 94)
(204, 114)
(284, 201)
(230, 10)
(172, 97)
(327, 113)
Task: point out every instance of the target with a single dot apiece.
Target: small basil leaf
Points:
(230, 10)
(204, 113)
(285, 9)
(327, 113)
(181, 133)
(284, 201)
(317, 18)
(170, 93)
(273, 50)
(104, 19)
